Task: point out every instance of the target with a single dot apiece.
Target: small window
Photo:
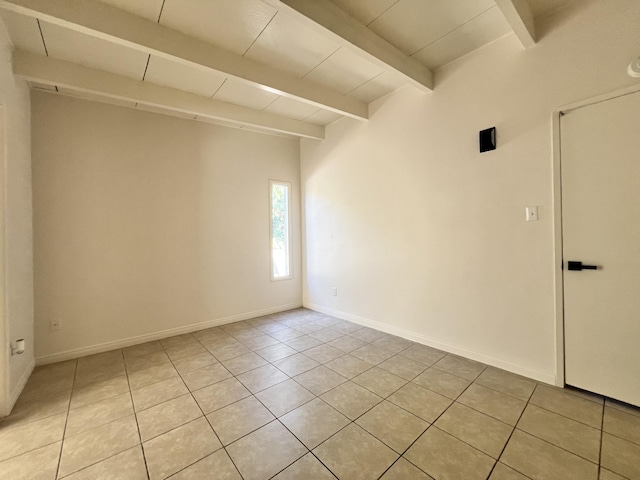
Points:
(280, 231)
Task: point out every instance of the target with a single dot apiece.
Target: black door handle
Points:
(578, 266)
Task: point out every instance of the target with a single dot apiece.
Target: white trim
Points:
(128, 342)
(432, 342)
(558, 283)
(289, 229)
(17, 390)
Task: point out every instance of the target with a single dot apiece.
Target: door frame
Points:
(5, 349)
(558, 277)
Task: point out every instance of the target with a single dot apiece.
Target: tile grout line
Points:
(515, 427)
(133, 405)
(64, 430)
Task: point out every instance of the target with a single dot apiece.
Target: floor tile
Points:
(444, 457)
(39, 464)
(495, 404)
(502, 472)
(303, 343)
(157, 393)
(194, 362)
(230, 350)
(403, 470)
(98, 413)
(296, 364)
(623, 406)
(238, 419)
(538, 459)
(276, 352)
(607, 475)
(286, 334)
(19, 439)
(424, 403)
(178, 341)
(142, 349)
(260, 341)
(309, 327)
(622, 424)
(372, 354)
(273, 444)
(261, 378)
(380, 381)
(151, 375)
(154, 359)
(508, 383)
(477, 429)
(392, 425)
(314, 422)
(206, 376)
(171, 452)
(423, 354)
(563, 403)
(97, 444)
(28, 409)
(323, 353)
(354, 454)
(367, 334)
(308, 467)
(244, 363)
(128, 465)
(217, 466)
(392, 343)
(220, 395)
(182, 351)
(562, 432)
(441, 382)
(403, 367)
(348, 366)
(90, 374)
(621, 456)
(284, 397)
(99, 391)
(351, 400)
(461, 367)
(320, 380)
(326, 335)
(166, 416)
(347, 343)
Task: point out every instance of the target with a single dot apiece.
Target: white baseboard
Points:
(435, 343)
(17, 389)
(149, 337)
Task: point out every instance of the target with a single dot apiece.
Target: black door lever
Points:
(579, 266)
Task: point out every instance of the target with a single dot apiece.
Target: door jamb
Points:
(558, 278)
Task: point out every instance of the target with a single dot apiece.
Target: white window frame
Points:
(289, 230)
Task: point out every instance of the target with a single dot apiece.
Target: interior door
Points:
(600, 161)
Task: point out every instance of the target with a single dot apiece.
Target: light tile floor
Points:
(301, 395)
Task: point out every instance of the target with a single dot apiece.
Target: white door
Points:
(600, 161)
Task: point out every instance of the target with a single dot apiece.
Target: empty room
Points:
(320, 239)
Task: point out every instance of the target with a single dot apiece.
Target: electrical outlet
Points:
(55, 324)
(334, 290)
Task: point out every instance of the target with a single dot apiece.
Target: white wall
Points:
(16, 227)
(425, 235)
(145, 224)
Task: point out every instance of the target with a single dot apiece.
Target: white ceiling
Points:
(434, 33)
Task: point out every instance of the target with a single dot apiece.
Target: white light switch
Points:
(532, 213)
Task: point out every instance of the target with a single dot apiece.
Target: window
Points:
(280, 231)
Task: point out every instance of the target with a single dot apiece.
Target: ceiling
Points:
(265, 64)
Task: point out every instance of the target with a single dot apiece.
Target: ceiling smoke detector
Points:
(634, 68)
